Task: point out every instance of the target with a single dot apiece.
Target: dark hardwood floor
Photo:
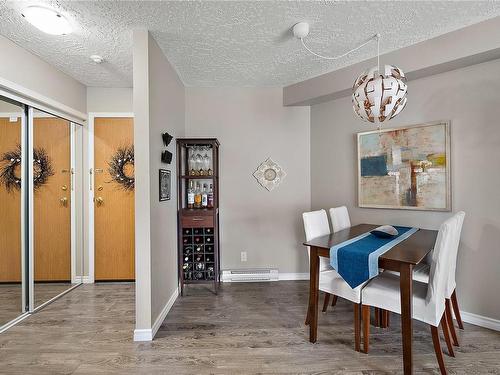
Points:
(249, 328)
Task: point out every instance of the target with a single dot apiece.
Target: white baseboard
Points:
(143, 335)
(481, 321)
(149, 334)
(87, 280)
(293, 276)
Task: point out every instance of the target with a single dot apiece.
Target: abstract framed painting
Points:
(406, 168)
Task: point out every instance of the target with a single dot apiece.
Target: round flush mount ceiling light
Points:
(47, 20)
(97, 59)
(378, 94)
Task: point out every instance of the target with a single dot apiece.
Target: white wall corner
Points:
(149, 334)
(481, 321)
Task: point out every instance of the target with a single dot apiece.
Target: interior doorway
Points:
(112, 197)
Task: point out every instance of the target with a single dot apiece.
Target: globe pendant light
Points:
(378, 95)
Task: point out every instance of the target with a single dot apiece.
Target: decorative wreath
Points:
(116, 167)
(11, 160)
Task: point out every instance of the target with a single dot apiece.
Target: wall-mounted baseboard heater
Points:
(250, 275)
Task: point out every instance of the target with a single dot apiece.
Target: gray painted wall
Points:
(105, 99)
(166, 111)
(158, 106)
(252, 125)
(469, 98)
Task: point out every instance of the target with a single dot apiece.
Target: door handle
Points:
(64, 201)
(99, 201)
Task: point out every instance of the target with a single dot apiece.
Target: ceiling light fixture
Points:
(47, 20)
(97, 59)
(378, 95)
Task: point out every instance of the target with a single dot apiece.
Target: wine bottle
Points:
(197, 196)
(210, 197)
(204, 197)
(190, 195)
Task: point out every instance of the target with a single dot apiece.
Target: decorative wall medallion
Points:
(121, 167)
(11, 168)
(269, 174)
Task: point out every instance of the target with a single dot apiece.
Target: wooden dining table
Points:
(401, 258)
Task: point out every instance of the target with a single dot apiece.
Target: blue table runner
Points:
(356, 260)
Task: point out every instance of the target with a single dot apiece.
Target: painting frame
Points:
(448, 191)
(165, 185)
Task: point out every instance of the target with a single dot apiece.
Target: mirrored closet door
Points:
(12, 270)
(41, 252)
(55, 260)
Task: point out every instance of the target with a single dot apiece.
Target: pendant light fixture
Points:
(378, 94)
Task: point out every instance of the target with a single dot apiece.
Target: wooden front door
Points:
(10, 203)
(113, 200)
(52, 200)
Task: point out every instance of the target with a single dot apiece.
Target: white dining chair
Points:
(330, 282)
(421, 273)
(340, 218)
(428, 299)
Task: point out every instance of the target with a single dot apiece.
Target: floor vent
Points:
(251, 275)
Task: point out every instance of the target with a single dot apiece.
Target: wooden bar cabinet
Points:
(198, 221)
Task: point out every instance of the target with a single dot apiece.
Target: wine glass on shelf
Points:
(206, 162)
(199, 161)
(192, 161)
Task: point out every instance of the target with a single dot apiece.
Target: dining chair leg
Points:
(365, 311)
(384, 318)
(437, 349)
(334, 300)
(357, 328)
(326, 302)
(456, 310)
(446, 332)
(377, 317)
(451, 326)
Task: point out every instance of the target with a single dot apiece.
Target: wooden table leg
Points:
(313, 294)
(406, 290)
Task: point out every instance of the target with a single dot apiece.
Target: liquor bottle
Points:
(190, 195)
(204, 197)
(210, 198)
(197, 196)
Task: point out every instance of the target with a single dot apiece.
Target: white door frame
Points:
(90, 151)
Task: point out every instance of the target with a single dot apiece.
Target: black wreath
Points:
(116, 166)
(42, 168)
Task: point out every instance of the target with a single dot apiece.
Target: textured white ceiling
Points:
(217, 43)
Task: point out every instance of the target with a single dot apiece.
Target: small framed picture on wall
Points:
(164, 185)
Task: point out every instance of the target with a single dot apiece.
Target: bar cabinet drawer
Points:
(197, 221)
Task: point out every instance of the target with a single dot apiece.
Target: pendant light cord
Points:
(376, 36)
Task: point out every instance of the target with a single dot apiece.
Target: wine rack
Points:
(198, 254)
(198, 227)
